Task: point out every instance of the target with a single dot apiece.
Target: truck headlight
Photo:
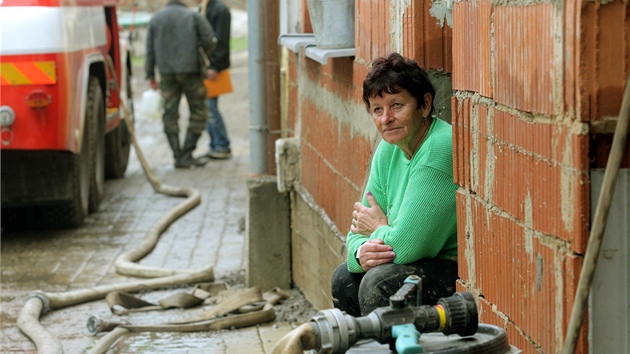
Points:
(7, 116)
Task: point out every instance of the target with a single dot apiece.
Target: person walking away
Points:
(218, 14)
(406, 222)
(174, 37)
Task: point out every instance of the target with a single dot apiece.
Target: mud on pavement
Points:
(210, 234)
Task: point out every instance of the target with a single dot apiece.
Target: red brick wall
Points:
(371, 37)
(334, 157)
(429, 44)
(334, 179)
(604, 64)
(528, 82)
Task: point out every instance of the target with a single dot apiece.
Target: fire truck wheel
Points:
(73, 212)
(95, 114)
(118, 141)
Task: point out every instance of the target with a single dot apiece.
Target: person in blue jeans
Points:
(218, 14)
(219, 141)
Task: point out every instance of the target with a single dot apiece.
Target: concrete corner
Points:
(268, 232)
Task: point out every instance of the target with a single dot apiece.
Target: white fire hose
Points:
(40, 302)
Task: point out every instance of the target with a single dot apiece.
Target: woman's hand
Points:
(374, 253)
(367, 219)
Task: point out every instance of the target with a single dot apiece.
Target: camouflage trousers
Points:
(172, 87)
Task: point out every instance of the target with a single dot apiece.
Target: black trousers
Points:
(358, 294)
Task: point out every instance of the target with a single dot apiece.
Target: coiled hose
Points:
(39, 302)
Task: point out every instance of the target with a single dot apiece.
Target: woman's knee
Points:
(388, 272)
(341, 279)
(344, 290)
(378, 284)
(340, 273)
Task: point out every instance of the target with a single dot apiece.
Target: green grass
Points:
(238, 44)
(137, 61)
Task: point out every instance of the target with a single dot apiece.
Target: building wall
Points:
(523, 106)
(532, 86)
(337, 136)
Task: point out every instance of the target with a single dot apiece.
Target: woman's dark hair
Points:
(394, 74)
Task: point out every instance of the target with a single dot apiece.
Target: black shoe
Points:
(188, 161)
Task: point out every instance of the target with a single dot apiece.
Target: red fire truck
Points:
(65, 76)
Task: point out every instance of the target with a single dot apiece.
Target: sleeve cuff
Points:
(356, 253)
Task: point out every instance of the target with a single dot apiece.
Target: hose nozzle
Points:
(336, 331)
(96, 325)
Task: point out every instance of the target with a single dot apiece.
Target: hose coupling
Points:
(96, 325)
(43, 298)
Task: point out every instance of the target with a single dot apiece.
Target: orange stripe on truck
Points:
(28, 73)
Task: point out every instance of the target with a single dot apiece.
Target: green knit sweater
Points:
(418, 197)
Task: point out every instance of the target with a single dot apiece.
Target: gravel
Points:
(295, 309)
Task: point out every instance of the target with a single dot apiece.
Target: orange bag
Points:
(222, 85)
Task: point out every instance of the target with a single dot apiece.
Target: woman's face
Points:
(397, 119)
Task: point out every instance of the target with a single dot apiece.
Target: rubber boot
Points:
(173, 141)
(186, 160)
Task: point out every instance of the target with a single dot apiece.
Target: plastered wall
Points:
(531, 87)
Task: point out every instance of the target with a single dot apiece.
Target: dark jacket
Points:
(220, 18)
(173, 37)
